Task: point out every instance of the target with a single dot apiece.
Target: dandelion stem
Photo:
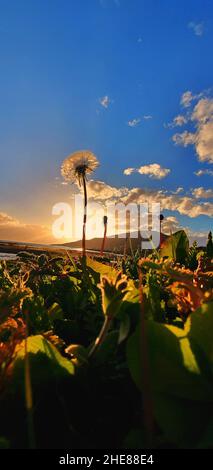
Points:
(85, 217)
(104, 237)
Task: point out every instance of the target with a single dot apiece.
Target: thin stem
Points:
(100, 339)
(131, 249)
(28, 394)
(173, 249)
(104, 239)
(85, 218)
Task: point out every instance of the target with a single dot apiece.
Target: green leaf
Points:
(174, 369)
(39, 320)
(46, 363)
(181, 384)
(130, 304)
(124, 328)
(182, 421)
(201, 328)
(55, 312)
(78, 354)
(101, 268)
(176, 247)
(151, 264)
(132, 294)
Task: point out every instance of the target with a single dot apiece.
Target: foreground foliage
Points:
(82, 341)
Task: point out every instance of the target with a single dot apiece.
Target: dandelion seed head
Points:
(78, 166)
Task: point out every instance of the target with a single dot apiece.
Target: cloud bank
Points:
(201, 117)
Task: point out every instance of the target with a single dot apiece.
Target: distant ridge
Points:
(113, 244)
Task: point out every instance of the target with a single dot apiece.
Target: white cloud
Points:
(99, 190)
(105, 101)
(200, 237)
(201, 193)
(186, 99)
(154, 170)
(197, 28)
(178, 190)
(178, 121)
(185, 205)
(204, 143)
(203, 111)
(14, 230)
(185, 138)
(203, 172)
(202, 138)
(170, 225)
(6, 219)
(134, 122)
(129, 171)
(147, 116)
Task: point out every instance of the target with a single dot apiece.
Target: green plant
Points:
(98, 337)
(209, 246)
(181, 376)
(176, 247)
(191, 260)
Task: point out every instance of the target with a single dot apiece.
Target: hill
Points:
(113, 244)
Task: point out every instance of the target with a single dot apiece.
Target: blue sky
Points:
(60, 58)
